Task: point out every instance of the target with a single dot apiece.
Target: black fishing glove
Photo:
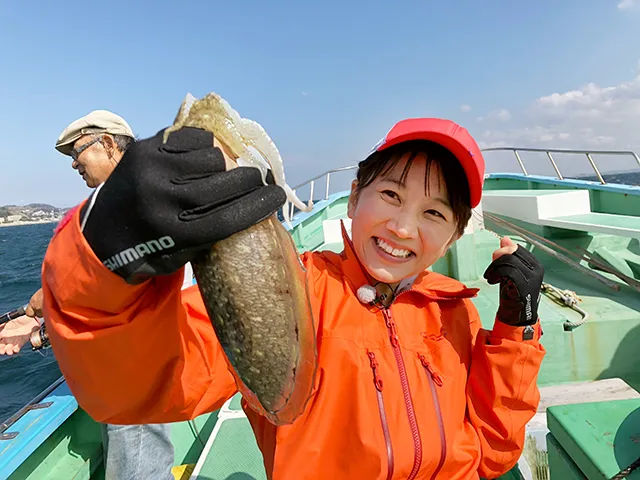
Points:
(164, 204)
(520, 276)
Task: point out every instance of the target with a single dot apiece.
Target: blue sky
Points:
(325, 79)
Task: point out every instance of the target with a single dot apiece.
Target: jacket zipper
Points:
(435, 379)
(417, 442)
(383, 416)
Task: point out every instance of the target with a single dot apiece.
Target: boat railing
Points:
(312, 183)
(589, 154)
(327, 176)
(550, 151)
(34, 404)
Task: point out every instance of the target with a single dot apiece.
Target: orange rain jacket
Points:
(413, 391)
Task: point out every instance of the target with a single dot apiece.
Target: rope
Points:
(570, 299)
(627, 471)
(194, 430)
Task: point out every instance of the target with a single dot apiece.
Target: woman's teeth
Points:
(395, 252)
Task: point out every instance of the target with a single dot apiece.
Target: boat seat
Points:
(567, 209)
(332, 235)
(574, 393)
(332, 230)
(623, 225)
(535, 455)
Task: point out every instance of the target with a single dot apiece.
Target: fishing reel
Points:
(40, 339)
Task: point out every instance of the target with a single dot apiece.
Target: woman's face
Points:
(400, 229)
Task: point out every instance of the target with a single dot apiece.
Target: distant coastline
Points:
(624, 178)
(32, 214)
(28, 222)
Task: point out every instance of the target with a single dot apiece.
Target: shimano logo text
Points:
(527, 307)
(137, 252)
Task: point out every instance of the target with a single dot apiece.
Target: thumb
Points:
(506, 242)
(35, 304)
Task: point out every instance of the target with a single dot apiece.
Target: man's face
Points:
(92, 160)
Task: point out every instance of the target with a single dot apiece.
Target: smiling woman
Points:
(418, 192)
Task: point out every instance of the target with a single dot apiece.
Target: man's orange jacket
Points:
(412, 391)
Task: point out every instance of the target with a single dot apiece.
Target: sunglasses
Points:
(75, 153)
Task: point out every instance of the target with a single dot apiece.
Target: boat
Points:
(587, 235)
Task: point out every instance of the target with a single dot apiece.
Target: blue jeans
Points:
(137, 452)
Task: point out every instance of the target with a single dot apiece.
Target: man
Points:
(96, 143)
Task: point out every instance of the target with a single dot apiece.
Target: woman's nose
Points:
(403, 225)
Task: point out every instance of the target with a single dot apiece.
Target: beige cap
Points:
(96, 122)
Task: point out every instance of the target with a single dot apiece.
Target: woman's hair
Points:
(382, 163)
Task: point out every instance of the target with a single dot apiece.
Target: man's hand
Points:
(520, 276)
(15, 333)
(34, 309)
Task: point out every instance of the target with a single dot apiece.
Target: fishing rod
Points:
(38, 339)
(13, 314)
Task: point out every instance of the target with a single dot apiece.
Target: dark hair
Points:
(123, 142)
(382, 163)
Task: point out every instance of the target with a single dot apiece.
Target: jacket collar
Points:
(430, 284)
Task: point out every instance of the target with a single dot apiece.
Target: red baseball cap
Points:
(450, 135)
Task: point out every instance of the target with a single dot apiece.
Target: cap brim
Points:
(452, 137)
(66, 147)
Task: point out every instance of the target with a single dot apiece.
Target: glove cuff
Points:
(529, 333)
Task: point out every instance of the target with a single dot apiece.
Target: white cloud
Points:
(625, 4)
(465, 108)
(305, 94)
(593, 116)
(501, 115)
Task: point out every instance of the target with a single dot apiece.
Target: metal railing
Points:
(549, 151)
(34, 404)
(312, 182)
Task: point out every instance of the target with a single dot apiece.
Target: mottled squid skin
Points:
(255, 297)
(254, 289)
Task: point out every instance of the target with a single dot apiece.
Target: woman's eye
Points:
(390, 194)
(436, 213)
